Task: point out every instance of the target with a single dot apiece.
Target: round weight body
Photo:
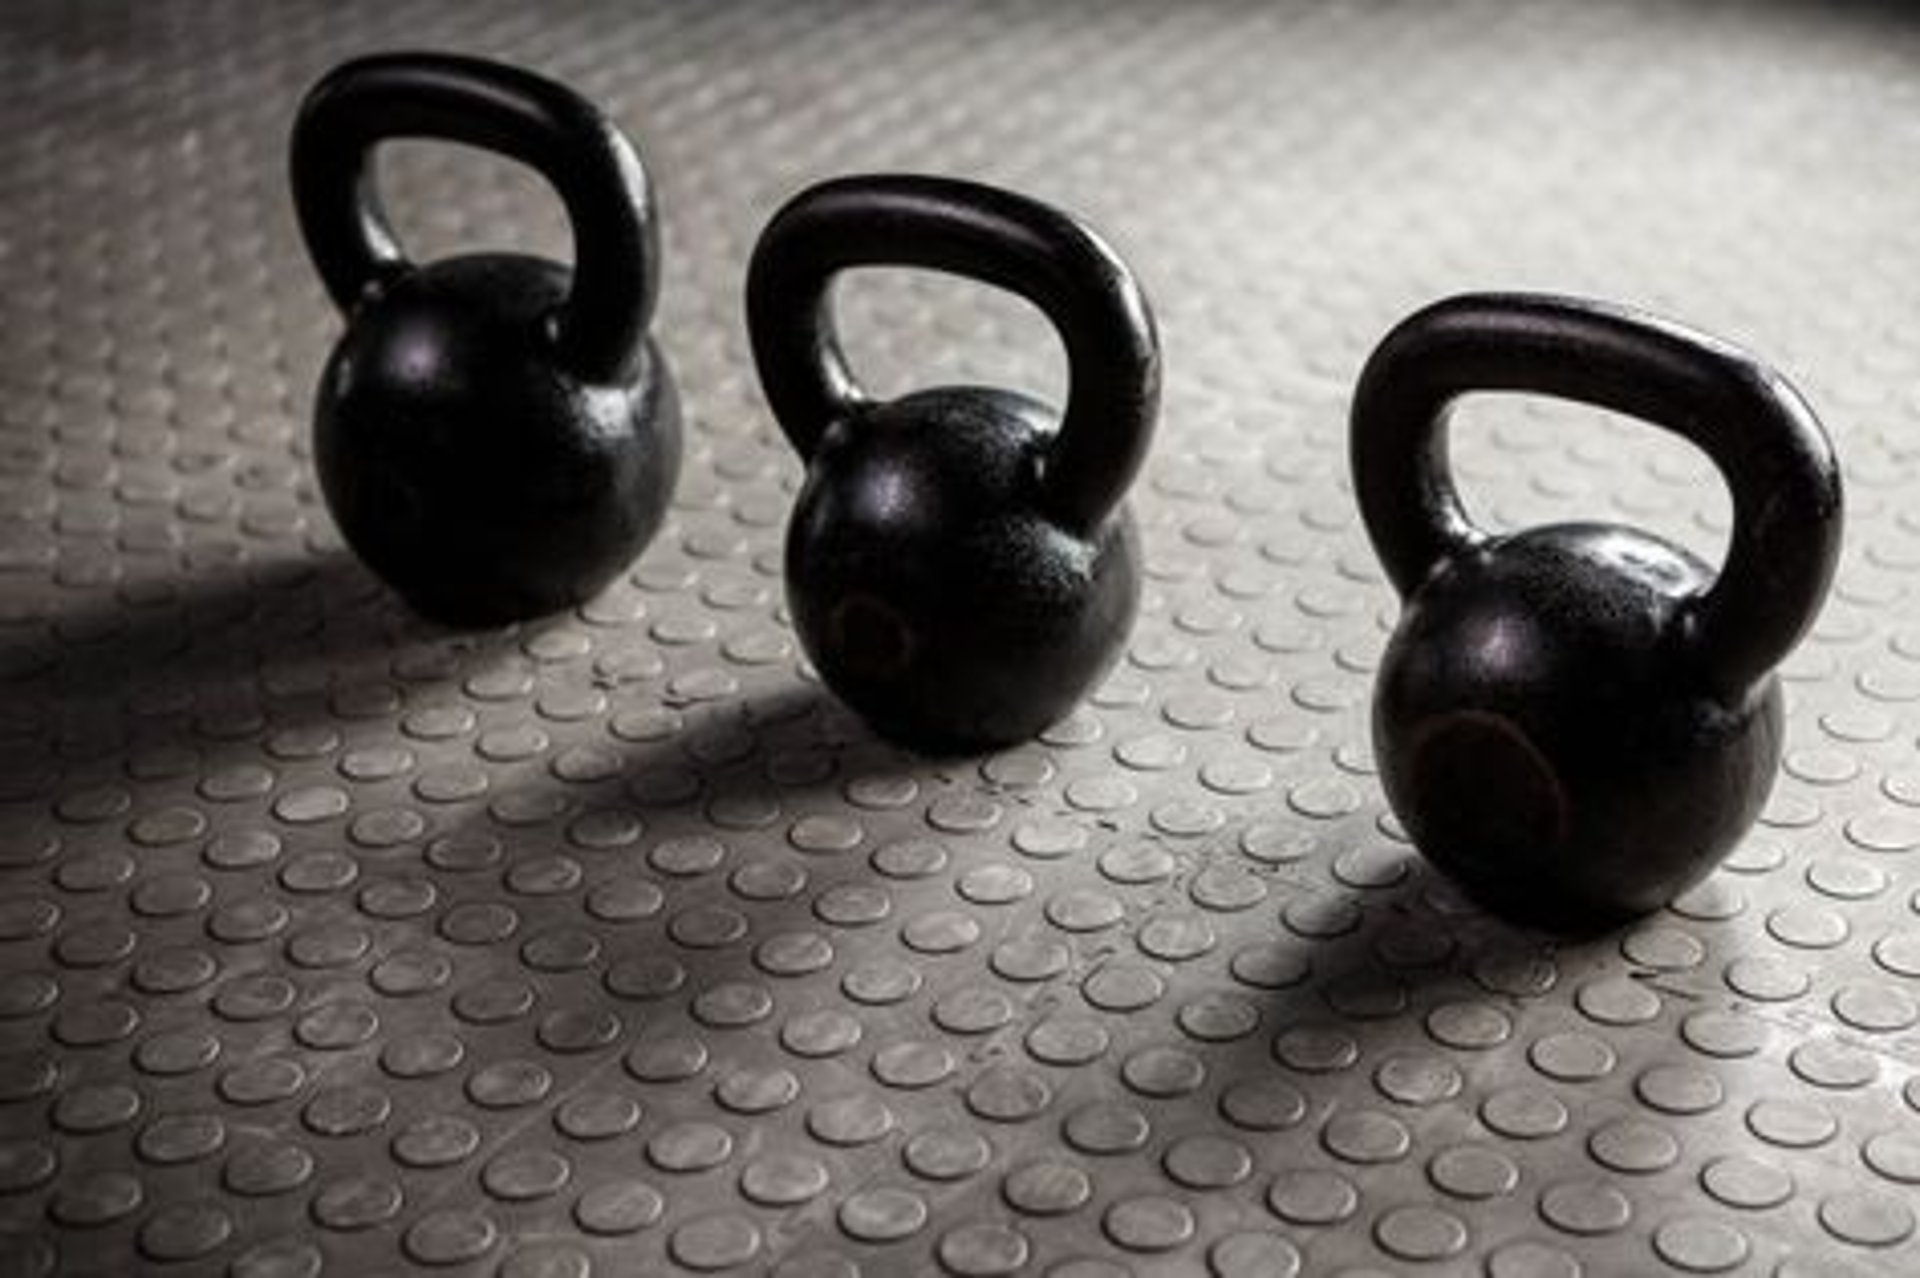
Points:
(961, 565)
(495, 435)
(1540, 741)
(471, 471)
(1577, 722)
(928, 589)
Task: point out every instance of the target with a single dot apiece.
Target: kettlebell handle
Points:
(1778, 463)
(984, 234)
(544, 125)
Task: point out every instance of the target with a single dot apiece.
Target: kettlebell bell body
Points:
(1577, 722)
(960, 564)
(496, 436)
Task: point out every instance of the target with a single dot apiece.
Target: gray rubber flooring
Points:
(331, 942)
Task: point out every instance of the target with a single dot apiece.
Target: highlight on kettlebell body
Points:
(496, 436)
(1578, 722)
(961, 565)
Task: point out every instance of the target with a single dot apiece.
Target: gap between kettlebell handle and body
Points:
(1752, 424)
(988, 235)
(601, 330)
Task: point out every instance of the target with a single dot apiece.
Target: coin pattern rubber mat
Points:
(608, 944)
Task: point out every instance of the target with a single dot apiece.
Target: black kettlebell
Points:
(1576, 722)
(960, 563)
(496, 436)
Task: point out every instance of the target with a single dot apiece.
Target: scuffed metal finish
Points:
(608, 944)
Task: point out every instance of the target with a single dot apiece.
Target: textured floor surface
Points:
(333, 943)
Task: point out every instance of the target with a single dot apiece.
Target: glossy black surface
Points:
(1577, 722)
(495, 435)
(960, 567)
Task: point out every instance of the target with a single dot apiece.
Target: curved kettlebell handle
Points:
(544, 125)
(1777, 461)
(981, 233)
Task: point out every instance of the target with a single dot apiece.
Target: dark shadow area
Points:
(206, 629)
(215, 659)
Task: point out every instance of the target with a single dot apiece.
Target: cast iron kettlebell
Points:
(1576, 722)
(497, 437)
(960, 563)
